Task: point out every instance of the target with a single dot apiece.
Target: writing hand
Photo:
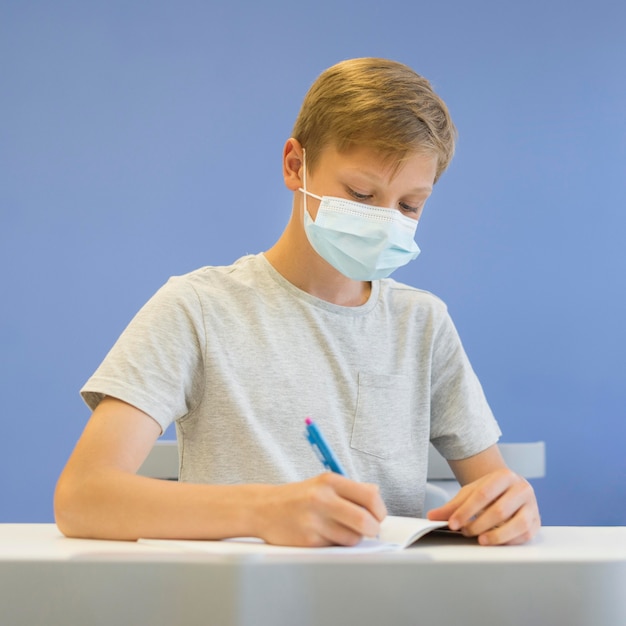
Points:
(329, 509)
(499, 508)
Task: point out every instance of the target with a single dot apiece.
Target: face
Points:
(363, 176)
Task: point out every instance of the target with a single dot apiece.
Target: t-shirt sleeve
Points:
(156, 364)
(462, 423)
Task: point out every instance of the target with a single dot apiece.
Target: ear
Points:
(292, 164)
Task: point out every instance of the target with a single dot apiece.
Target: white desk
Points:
(568, 576)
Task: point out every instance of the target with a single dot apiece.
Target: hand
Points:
(499, 508)
(329, 509)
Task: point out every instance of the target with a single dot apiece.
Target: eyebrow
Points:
(378, 179)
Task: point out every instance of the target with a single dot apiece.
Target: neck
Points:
(293, 257)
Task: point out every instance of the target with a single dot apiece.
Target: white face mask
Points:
(362, 242)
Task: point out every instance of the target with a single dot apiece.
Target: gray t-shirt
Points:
(238, 357)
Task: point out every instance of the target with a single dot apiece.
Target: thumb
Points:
(441, 513)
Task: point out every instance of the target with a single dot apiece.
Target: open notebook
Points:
(396, 533)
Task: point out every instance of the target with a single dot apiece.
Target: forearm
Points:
(112, 504)
(468, 470)
(324, 510)
(99, 495)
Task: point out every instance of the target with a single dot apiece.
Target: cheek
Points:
(309, 204)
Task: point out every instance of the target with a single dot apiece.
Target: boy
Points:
(238, 356)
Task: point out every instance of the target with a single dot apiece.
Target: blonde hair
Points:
(377, 103)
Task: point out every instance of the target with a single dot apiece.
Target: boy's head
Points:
(379, 104)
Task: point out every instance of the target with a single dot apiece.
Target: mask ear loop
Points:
(304, 180)
(303, 189)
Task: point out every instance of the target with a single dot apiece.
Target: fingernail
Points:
(453, 524)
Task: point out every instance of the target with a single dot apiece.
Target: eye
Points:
(407, 208)
(361, 197)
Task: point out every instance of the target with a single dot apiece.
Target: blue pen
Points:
(321, 448)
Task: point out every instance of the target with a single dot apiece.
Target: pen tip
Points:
(308, 421)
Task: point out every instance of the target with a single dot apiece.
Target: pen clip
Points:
(318, 451)
(321, 448)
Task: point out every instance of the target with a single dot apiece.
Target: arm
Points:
(494, 504)
(100, 495)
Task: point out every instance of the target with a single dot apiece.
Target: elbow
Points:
(71, 510)
(87, 507)
(65, 509)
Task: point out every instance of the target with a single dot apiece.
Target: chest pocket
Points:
(382, 424)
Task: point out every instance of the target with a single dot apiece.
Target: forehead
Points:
(418, 166)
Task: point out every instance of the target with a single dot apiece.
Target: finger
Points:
(480, 495)
(444, 511)
(336, 499)
(365, 495)
(325, 532)
(519, 529)
(352, 516)
(499, 511)
(337, 534)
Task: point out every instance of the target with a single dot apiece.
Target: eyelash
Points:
(409, 209)
(362, 197)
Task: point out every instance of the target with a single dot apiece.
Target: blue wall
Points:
(143, 139)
